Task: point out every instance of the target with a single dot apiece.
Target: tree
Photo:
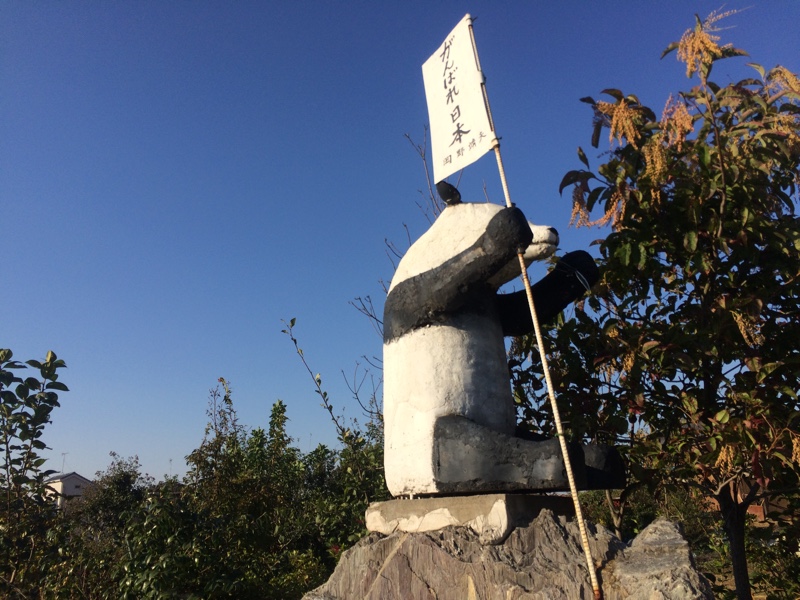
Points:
(91, 532)
(27, 510)
(254, 518)
(241, 526)
(689, 348)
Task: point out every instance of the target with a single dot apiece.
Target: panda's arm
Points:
(566, 283)
(434, 294)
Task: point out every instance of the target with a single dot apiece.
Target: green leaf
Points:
(22, 391)
(642, 257)
(723, 416)
(703, 154)
(614, 93)
(670, 48)
(766, 370)
(782, 458)
(623, 254)
(647, 346)
(591, 199)
(730, 51)
(596, 131)
(582, 157)
(574, 177)
(690, 241)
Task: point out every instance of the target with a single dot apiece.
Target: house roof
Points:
(64, 476)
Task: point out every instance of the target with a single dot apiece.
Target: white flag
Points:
(460, 128)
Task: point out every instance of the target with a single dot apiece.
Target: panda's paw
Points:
(507, 231)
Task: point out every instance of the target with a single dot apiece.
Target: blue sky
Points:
(178, 177)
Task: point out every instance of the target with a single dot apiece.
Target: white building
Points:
(67, 485)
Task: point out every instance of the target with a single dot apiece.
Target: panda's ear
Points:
(448, 193)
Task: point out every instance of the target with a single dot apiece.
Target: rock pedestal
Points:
(542, 560)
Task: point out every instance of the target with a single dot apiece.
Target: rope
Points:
(587, 551)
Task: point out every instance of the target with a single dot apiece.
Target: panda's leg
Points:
(470, 458)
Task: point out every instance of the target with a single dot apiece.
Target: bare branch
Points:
(367, 308)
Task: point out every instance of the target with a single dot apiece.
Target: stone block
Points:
(491, 516)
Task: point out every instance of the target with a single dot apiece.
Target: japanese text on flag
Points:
(460, 129)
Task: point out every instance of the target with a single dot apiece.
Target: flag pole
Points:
(587, 551)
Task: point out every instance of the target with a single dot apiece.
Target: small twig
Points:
(367, 308)
(326, 404)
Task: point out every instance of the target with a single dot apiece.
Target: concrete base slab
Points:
(491, 516)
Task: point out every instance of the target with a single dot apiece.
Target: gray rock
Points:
(657, 566)
(542, 561)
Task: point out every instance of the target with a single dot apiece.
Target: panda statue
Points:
(449, 415)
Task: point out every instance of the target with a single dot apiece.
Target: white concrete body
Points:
(456, 368)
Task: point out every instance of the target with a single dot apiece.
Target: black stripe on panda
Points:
(459, 282)
(427, 299)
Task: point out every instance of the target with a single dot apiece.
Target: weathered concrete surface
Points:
(444, 351)
(543, 561)
(491, 516)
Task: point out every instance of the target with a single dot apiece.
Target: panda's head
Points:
(457, 228)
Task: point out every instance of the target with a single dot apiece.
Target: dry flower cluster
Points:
(749, 329)
(623, 121)
(614, 214)
(655, 158)
(676, 122)
(781, 79)
(726, 461)
(699, 47)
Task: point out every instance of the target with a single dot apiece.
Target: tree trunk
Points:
(734, 515)
(616, 514)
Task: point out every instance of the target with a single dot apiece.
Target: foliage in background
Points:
(26, 512)
(254, 517)
(688, 348)
(239, 526)
(89, 534)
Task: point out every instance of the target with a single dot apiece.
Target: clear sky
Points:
(178, 177)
